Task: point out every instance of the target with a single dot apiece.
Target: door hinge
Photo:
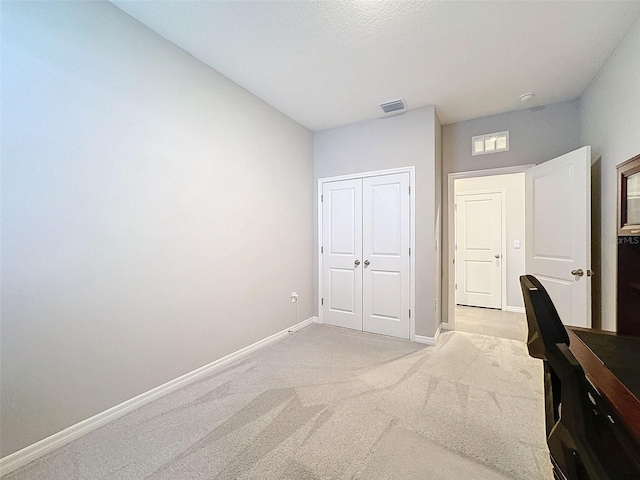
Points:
(409, 313)
(454, 261)
(409, 251)
(322, 301)
(455, 208)
(409, 189)
(321, 249)
(321, 198)
(455, 287)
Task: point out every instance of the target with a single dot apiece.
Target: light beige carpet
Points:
(330, 403)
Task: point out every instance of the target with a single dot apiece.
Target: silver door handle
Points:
(357, 262)
(367, 263)
(577, 273)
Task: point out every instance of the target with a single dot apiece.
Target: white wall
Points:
(155, 216)
(398, 141)
(513, 185)
(535, 136)
(610, 123)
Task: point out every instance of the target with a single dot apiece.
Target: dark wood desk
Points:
(612, 364)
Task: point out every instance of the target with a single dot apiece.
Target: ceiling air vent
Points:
(393, 106)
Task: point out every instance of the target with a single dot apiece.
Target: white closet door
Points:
(342, 253)
(386, 268)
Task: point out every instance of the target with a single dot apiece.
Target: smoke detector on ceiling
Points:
(393, 105)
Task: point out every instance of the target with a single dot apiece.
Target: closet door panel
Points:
(386, 261)
(342, 253)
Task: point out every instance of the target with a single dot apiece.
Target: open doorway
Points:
(556, 246)
(488, 254)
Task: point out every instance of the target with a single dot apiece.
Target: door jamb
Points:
(412, 238)
(451, 304)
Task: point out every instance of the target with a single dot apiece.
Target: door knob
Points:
(357, 262)
(367, 263)
(577, 273)
(497, 255)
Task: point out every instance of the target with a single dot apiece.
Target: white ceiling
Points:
(331, 63)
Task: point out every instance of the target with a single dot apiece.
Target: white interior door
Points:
(386, 254)
(558, 225)
(478, 249)
(342, 253)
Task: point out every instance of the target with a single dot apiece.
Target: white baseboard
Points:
(428, 340)
(514, 309)
(46, 445)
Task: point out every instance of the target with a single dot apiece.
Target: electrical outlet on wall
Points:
(294, 297)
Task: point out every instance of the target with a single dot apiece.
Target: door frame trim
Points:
(412, 238)
(451, 303)
(503, 240)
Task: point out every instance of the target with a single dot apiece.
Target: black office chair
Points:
(545, 329)
(586, 443)
(583, 441)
